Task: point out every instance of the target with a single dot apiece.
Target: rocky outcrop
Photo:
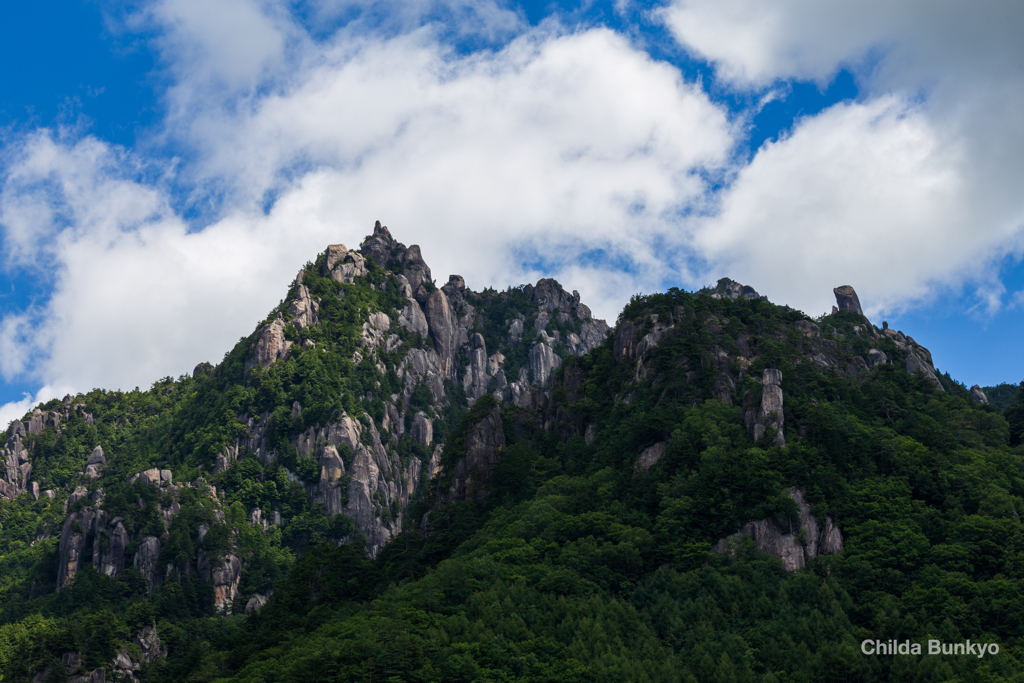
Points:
(270, 347)
(73, 537)
(440, 321)
(97, 461)
(847, 300)
(543, 359)
(876, 357)
(15, 469)
(146, 557)
(256, 603)
(127, 666)
(795, 543)
(770, 415)
(917, 365)
(477, 377)
(225, 577)
(979, 396)
(485, 442)
(651, 455)
(730, 289)
(343, 265)
(202, 369)
(303, 309)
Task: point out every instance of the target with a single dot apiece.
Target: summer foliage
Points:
(577, 565)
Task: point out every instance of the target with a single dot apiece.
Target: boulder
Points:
(978, 395)
(876, 357)
(255, 603)
(202, 369)
(847, 299)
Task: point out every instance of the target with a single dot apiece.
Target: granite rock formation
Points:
(794, 544)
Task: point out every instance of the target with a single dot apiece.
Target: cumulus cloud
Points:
(559, 144)
(911, 190)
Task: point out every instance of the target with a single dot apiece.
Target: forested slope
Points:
(404, 482)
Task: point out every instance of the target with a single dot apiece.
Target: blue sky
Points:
(167, 166)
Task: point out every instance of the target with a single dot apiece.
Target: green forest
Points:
(570, 557)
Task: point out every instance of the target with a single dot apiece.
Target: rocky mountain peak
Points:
(730, 289)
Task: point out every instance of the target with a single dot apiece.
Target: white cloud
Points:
(558, 144)
(913, 189)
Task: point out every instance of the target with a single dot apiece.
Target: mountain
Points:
(389, 479)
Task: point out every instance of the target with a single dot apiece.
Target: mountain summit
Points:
(396, 480)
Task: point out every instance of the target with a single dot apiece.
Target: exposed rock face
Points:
(97, 461)
(847, 300)
(442, 331)
(72, 544)
(485, 443)
(422, 428)
(543, 359)
(651, 455)
(876, 357)
(915, 365)
(255, 603)
(807, 328)
(477, 376)
(125, 666)
(794, 546)
(110, 561)
(202, 369)
(770, 415)
(303, 308)
(15, 469)
(343, 265)
(978, 395)
(730, 289)
(225, 579)
(271, 346)
(146, 557)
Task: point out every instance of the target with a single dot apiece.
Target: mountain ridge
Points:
(375, 412)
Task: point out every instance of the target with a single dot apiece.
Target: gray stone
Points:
(978, 395)
(146, 558)
(543, 360)
(442, 330)
(202, 369)
(255, 603)
(770, 415)
(808, 329)
(271, 346)
(876, 357)
(917, 366)
(651, 455)
(422, 428)
(847, 299)
(794, 546)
